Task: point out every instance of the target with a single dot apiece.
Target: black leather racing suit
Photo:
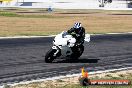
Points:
(79, 35)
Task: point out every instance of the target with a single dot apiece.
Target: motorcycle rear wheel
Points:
(78, 53)
(49, 57)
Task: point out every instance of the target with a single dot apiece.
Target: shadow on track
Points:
(80, 60)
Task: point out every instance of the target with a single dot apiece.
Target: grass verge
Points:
(38, 22)
(8, 14)
(12, 14)
(74, 83)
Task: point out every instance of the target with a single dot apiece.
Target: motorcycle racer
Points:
(78, 32)
(68, 44)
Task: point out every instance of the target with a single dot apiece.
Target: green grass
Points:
(12, 14)
(8, 14)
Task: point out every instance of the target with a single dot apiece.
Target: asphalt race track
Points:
(23, 59)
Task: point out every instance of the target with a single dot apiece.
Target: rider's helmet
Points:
(77, 25)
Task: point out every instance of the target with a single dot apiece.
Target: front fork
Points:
(58, 51)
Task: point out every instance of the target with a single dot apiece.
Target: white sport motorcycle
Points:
(62, 47)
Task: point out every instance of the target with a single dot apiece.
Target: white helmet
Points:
(77, 25)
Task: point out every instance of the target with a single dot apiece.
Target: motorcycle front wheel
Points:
(49, 57)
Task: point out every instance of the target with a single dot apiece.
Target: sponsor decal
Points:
(85, 81)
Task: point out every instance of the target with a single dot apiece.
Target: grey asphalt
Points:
(23, 59)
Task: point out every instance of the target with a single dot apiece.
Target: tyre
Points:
(78, 52)
(49, 57)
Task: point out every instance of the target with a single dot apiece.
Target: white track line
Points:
(54, 36)
(25, 37)
(69, 75)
